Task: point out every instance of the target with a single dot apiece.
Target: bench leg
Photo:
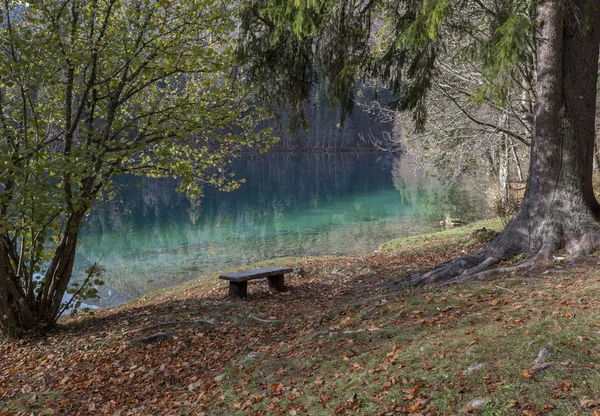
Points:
(276, 283)
(238, 289)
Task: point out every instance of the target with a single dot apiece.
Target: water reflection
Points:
(292, 204)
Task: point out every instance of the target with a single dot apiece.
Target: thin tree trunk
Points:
(517, 161)
(59, 272)
(503, 161)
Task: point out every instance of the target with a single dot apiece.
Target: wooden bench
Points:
(238, 281)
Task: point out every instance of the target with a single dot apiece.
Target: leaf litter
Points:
(357, 342)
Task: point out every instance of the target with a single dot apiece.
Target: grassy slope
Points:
(347, 338)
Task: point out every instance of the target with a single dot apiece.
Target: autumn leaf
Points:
(417, 406)
(414, 408)
(566, 385)
(526, 374)
(588, 403)
(324, 400)
(354, 403)
(547, 407)
(410, 394)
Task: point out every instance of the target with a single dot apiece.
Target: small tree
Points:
(94, 88)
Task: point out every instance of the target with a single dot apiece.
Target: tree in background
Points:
(466, 137)
(400, 44)
(474, 122)
(93, 89)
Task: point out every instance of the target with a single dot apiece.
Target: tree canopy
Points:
(94, 89)
(402, 44)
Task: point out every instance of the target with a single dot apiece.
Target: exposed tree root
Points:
(269, 321)
(336, 331)
(159, 336)
(450, 269)
(541, 245)
(322, 316)
(200, 322)
(382, 299)
(539, 364)
(489, 273)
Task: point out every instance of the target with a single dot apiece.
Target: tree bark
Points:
(8, 321)
(596, 158)
(59, 273)
(559, 209)
(503, 164)
(20, 313)
(517, 161)
(16, 314)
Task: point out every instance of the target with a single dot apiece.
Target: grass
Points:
(347, 338)
(447, 237)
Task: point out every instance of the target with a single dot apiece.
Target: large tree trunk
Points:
(559, 209)
(20, 313)
(14, 312)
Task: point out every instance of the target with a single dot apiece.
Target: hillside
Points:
(349, 337)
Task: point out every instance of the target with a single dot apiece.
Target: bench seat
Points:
(238, 281)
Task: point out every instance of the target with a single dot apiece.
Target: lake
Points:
(151, 237)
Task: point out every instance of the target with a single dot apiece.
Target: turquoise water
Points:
(291, 205)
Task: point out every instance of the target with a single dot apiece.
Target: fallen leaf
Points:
(475, 404)
(566, 385)
(410, 393)
(416, 407)
(588, 403)
(526, 374)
